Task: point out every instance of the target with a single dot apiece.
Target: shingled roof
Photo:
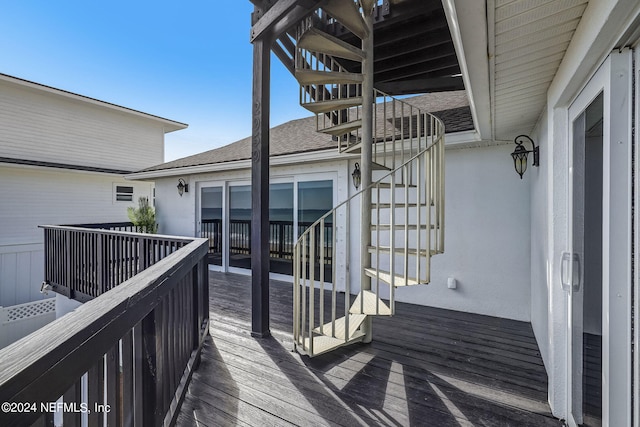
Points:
(300, 136)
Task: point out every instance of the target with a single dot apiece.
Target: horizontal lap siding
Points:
(37, 196)
(37, 125)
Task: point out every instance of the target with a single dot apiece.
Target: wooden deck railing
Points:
(112, 226)
(124, 357)
(281, 237)
(83, 263)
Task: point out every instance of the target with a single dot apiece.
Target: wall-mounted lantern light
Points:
(520, 154)
(357, 176)
(183, 187)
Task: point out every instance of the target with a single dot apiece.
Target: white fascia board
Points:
(169, 125)
(468, 27)
(290, 159)
(456, 138)
(469, 139)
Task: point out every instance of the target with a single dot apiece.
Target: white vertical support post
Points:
(366, 163)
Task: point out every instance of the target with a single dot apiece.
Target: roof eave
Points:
(468, 26)
(169, 125)
(287, 159)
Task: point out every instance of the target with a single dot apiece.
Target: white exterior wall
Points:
(540, 265)
(177, 215)
(41, 125)
(487, 229)
(35, 196)
(486, 238)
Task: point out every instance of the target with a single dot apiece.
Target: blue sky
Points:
(189, 61)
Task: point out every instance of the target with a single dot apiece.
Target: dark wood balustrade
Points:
(82, 263)
(113, 226)
(281, 237)
(130, 350)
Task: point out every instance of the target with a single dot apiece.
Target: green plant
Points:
(143, 217)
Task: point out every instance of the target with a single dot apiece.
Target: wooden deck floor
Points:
(425, 367)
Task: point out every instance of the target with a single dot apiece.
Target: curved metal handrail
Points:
(305, 278)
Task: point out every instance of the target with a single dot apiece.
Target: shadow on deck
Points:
(426, 366)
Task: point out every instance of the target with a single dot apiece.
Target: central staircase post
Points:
(366, 162)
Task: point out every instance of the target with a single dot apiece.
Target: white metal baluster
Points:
(296, 292)
(312, 284)
(406, 224)
(347, 290)
(441, 185)
(428, 244)
(333, 273)
(395, 136)
(392, 244)
(402, 136)
(304, 290)
(378, 205)
(418, 189)
(322, 254)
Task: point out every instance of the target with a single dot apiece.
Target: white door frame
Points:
(613, 78)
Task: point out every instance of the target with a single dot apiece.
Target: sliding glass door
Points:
(598, 265)
(210, 223)
(240, 226)
(225, 219)
(315, 198)
(281, 230)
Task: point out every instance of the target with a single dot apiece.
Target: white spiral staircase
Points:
(407, 193)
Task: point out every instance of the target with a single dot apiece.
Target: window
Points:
(124, 193)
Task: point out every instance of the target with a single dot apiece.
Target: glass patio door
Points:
(596, 270)
(210, 224)
(585, 291)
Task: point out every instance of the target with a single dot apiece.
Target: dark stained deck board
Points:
(426, 366)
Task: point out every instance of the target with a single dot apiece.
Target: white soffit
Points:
(527, 41)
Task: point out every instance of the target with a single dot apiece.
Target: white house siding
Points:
(45, 126)
(33, 196)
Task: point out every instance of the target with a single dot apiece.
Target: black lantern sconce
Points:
(357, 176)
(183, 187)
(520, 154)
